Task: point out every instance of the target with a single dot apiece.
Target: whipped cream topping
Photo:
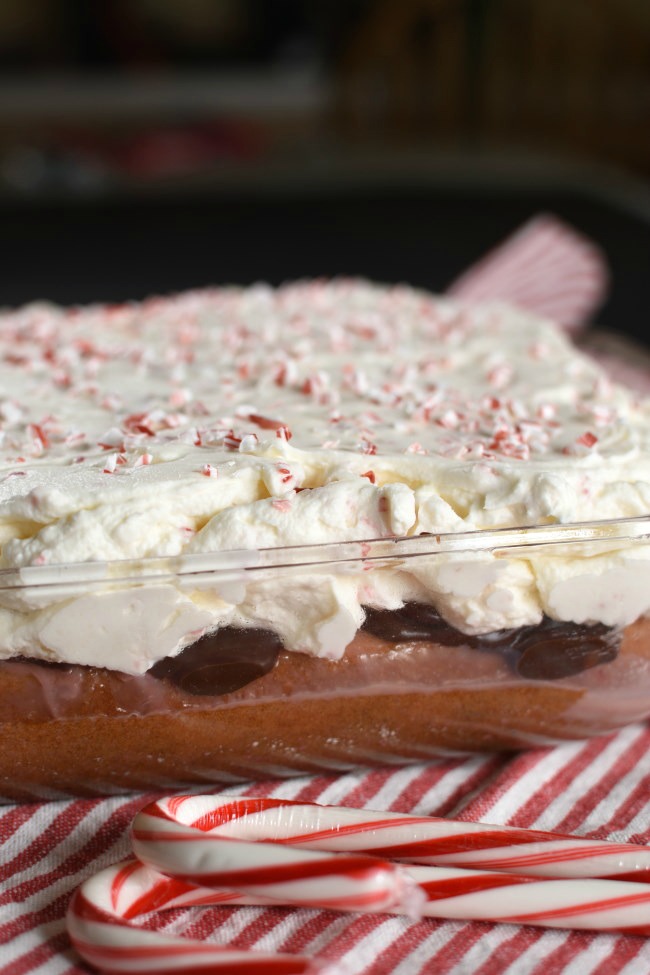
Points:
(251, 418)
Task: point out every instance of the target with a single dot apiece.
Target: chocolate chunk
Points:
(414, 621)
(549, 651)
(221, 662)
(554, 650)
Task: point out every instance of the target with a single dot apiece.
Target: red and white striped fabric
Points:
(545, 267)
(598, 789)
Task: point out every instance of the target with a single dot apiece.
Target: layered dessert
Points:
(253, 531)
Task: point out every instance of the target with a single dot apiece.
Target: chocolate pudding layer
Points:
(236, 705)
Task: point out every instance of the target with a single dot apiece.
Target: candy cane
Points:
(100, 914)
(389, 836)
(203, 852)
(245, 845)
(99, 924)
(215, 850)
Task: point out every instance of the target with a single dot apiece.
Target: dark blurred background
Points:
(148, 146)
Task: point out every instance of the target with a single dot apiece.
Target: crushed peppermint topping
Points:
(386, 371)
(281, 504)
(265, 422)
(367, 447)
(587, 439)
(231, 441)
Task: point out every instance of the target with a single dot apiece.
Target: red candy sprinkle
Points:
(587, 439)
(282, 504)
(37, 433)
(265, 422)
(286, 474)
(280, 376)
(231, 441)
(268, 423)
(138, 423)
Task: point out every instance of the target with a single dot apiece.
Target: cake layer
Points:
(86, 731)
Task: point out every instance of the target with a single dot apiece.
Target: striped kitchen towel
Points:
(599, 789)
(545, 267)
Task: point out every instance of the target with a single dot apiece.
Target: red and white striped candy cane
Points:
(191, 838)
(391, 836)
(101, 913)
(215, 850)
(202, 851)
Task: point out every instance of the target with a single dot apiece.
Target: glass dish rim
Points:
(344, 554)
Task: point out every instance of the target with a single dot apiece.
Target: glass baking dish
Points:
(415, 681)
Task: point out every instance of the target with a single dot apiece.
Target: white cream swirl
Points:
(318, 412)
